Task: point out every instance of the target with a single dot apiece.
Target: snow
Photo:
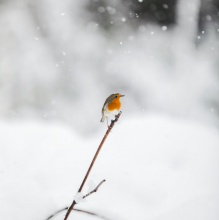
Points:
(101, 9)
(155, 166)
(79, 197)
(208, 17)
(123, 19)
(57, 42)
(91, 186)
(165, 6)
(164, 28)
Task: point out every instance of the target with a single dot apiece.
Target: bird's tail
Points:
(102, 119)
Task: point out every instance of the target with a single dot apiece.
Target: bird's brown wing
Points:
(108, 100)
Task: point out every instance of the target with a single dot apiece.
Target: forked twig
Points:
(92, 163)
(94, 189)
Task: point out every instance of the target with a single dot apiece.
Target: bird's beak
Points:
(122, 95)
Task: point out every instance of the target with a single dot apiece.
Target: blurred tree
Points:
(109, 14)
(157, 11)
(209, 14)
(133, 12)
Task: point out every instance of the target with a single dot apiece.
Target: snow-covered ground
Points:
(57, 62)
(156, 167)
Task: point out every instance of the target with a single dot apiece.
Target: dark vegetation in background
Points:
(209, 13)
(109, 13)
(156, 11)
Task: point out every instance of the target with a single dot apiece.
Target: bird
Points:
(111, 106)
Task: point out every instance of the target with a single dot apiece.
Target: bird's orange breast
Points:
(114, 105)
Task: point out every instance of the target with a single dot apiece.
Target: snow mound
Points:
(155, 167)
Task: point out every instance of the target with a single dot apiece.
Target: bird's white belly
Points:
(110, 113)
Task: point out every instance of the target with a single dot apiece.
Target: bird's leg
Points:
(107, 122)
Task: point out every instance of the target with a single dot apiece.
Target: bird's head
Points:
(113, 98)
(117, 96)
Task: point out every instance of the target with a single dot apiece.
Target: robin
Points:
(111, 106)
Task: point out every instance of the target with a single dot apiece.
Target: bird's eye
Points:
(116, 96)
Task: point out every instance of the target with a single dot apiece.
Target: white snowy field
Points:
(156, 167)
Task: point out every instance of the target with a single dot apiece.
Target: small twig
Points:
(92, 163)
(90, 213)
(56, 213)
(94, 189)
(78, 210)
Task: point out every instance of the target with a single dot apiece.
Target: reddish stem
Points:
(92, 163)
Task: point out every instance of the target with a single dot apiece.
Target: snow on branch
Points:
(95, 190)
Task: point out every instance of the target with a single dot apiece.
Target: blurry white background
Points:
(60, 60)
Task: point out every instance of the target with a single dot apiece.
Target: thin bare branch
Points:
(92, 163)
(79, 210)
(90, 213)
(94, 189)
(56, 213)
